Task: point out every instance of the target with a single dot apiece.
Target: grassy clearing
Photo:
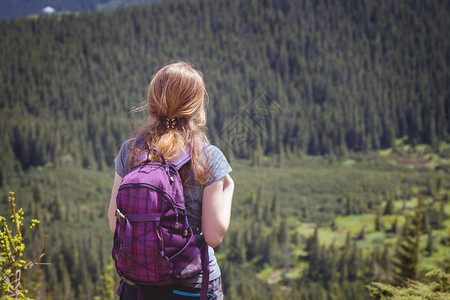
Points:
(313, 190)
(353, 225)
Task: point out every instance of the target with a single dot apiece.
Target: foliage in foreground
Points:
(438, 288)
(11, 254)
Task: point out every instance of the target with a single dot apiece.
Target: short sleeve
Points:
(121, 160)
(217, 164)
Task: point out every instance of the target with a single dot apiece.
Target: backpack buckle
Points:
(120, 216)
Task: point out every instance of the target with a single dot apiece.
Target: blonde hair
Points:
(176, 91)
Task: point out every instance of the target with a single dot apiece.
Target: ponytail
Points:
(177, 117)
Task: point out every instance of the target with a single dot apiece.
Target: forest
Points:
(333, 114)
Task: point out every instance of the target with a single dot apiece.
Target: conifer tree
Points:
(362, 234)
(313, 250)
(354, 263)
(275, 208)
(386, 262)
(64, 280)
(430, 248)
(406, 260)
(389, 208)
(344, 260)
(378, 224)
(441, 216)
(330, 266)
(350, 205)
(283, 239)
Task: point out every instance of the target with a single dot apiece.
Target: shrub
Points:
(11, 254)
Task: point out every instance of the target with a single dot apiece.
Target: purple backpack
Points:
(153, 242)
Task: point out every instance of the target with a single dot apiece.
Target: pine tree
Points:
(389, 209)
(406, 260)
(283, 239)
(350, 205)
(441, 216)
(386, 262)
(330, 270)
(378, 223)
(344, 260)
(362, 234)
(430, 248)
(64, 280)
(313, 249)
(275, 208)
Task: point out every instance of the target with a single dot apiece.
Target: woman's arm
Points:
(112, 203)
(216, 210)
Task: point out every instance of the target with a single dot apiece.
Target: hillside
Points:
(286, 77)
(276, 208)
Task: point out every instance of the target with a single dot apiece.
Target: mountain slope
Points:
(286, 78)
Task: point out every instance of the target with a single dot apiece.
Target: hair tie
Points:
(171, 123)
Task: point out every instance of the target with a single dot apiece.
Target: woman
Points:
(177, 118)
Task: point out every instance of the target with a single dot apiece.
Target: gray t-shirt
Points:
(218, 167)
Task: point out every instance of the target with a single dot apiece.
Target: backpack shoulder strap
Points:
(185, 157)
(182, 159)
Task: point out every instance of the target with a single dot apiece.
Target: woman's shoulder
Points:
(121, 160)
(129, 143)
(212, 151)
(218, 165)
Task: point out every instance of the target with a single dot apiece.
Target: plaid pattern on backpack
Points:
(153, 242)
